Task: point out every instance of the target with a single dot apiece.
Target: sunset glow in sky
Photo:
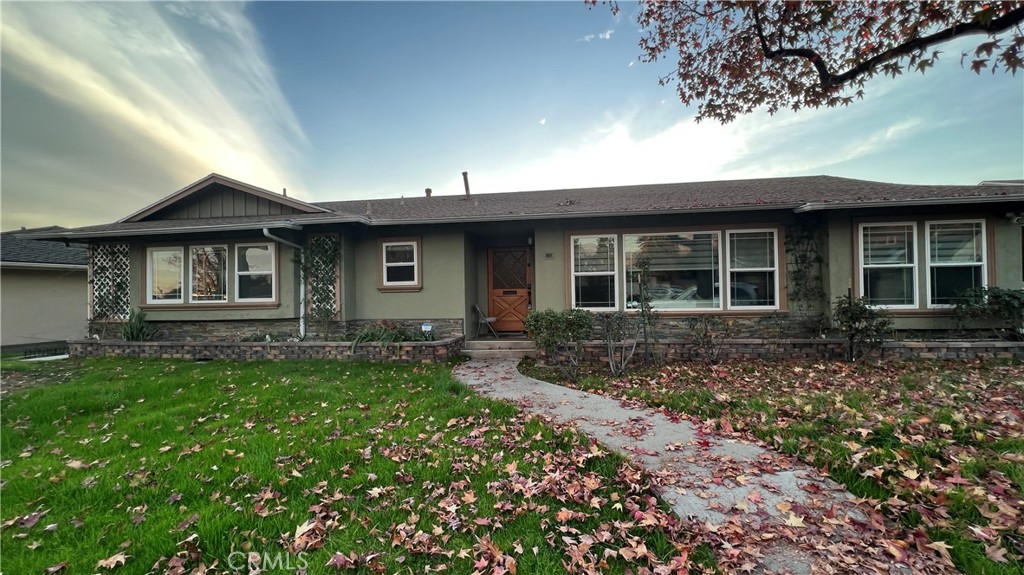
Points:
(107, 107)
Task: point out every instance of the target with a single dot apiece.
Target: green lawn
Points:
(939, 447)
(169, 466)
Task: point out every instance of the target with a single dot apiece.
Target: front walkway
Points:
(789, 517)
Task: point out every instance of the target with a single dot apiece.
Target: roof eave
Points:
(42, 266)
(97, 234)
(820, 206)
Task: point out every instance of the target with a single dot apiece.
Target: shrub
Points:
(136, 328)
(621, 335)
(1002, 309)
(863, 326)
(709, 333)
(561, 334)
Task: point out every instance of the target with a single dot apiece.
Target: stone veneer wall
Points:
(407, 352)
(442, 327)
(278, 329)
(595, 352)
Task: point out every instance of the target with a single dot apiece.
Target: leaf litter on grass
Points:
(175, 468)
(937, 448)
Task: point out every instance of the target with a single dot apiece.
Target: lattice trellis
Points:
(322, 253)
(110, 266)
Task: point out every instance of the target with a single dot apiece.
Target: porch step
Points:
(499, 349)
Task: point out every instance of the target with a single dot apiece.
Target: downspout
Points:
(302, 279)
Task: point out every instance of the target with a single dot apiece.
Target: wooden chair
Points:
(485, 320)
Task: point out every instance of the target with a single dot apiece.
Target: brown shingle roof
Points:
(797, 193)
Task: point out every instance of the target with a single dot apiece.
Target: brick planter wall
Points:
(237, 330)
(680, 350)
(406, 352)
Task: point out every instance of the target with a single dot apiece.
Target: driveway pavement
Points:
(792, 518)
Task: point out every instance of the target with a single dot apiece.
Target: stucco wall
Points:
(1003, 247)
(42, 305)
(443, 265)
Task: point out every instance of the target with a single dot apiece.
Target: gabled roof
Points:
(214, 179)
(799, 194)
(15, 250)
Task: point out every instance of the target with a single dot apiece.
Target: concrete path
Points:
(706, 478)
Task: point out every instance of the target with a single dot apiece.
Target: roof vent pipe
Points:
(429, 191)
(284, 191)
(465, 181)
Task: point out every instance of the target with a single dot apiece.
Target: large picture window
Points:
(400, 263)
(753, 269)
(254, 272)
(683, 270)
(594, 269)
(887, 262)
(956, 260)
(164, 278)
(208, 267)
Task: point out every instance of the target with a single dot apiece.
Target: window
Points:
(594, 273)
(401, 265)
(164, 280)
(684, 270)
(956, 260)
(888, 269)
(254, 272)
(753, 277)
(208, 270)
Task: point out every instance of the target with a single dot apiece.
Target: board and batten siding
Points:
(222, 202)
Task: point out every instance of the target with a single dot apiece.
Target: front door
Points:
(508, 287)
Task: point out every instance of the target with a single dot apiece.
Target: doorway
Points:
(509, 283)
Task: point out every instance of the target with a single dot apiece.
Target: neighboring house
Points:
(219, 258)
(43, 289)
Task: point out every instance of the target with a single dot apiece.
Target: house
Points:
(224, 260)
(43, 290)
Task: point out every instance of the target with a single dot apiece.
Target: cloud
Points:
(606, 35)
(181, 89)
(543, 121)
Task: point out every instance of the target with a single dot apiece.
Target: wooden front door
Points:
(509, 281)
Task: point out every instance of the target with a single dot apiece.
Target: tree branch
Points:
(830, 80)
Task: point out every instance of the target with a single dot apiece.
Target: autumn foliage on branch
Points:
(734, 57)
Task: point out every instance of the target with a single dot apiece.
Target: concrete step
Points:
(499, 353)
(492, 344)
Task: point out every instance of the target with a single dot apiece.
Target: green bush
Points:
(863, 326)
(1001, 309)
(561, 334)
(137, 328)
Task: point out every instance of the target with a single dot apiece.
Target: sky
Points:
(107, 107)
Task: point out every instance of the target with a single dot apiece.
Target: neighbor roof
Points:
(17, 250)
(807, 193)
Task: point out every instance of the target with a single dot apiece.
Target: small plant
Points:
(772, 327)
(863, 326)
(709, 333)
(621, 335)
(136, 328)
(999, 308)
(387, 333)
(561, 335)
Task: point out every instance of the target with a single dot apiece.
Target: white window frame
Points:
(272, 247)
(914, 265)
(149, 275)
(415, 264)
(614, 273)
(928, 258)
(728, 269)
(191, 275)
